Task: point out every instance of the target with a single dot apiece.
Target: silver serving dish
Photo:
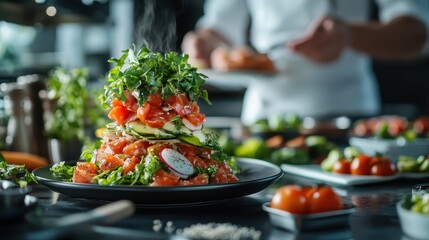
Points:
(305, 222)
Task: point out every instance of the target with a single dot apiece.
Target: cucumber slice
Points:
(148, 132)
(191, 140)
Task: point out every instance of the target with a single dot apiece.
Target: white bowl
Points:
(413, 224)
(391, 148)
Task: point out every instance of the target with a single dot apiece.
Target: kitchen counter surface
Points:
(375, 216)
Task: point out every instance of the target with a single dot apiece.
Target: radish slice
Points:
(191, 126)
(178, 164)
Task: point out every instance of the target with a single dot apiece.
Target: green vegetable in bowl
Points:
(253, 148)
(411, 164)
(417, 203)
(290, 156)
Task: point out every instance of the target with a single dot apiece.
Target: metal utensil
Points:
(107, 214)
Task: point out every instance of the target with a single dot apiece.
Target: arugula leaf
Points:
(147, 72)
(16, 173)
(63, 171)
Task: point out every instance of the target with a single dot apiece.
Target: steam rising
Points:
(156, 24)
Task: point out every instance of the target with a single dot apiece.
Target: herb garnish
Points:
(16, 173)
(148, 72)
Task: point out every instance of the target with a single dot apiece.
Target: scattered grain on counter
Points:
(219, 231)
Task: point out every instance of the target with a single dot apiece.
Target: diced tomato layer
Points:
(200, 179)
(130, 164)
(130, 101)
(119, 114)
(110, 162)
(155, 100)
(196, 118)
(162, 178)
(137, 148)
(116, 102)
(127, 153)
(117, 146)
(84, 172)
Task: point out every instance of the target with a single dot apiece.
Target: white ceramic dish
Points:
(315, 172)
(297, 222)
(390, 147)
(413, 224)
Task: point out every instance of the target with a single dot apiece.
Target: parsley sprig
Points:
(147, 72)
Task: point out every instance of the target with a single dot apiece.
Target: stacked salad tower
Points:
(157, 137)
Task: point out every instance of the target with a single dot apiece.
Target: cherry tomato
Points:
(361, 128)
(421, 125)
(361, 165)
(290, 198)
(342, 167)
(323, 199)
(383, 167)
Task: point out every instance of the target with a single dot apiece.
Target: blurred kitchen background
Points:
(39, 35)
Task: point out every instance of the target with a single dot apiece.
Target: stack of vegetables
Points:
(157, 137)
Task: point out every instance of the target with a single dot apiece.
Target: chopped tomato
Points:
(142, 112)
(196, 161)
(110, 162)
(119, 114)
(155, 100)
(84, 172)
(180, 104)
(200, 179)
(158, 147)
(116, 146)
(162, 178)
(196, 118)
(130, 164)
(187, 150)
(116, 102)
(223, 174)
(137, 148)
(130, 101)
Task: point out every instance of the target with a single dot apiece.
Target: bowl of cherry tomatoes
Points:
(391, 136)
(301, 208)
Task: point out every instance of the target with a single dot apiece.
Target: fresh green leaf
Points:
(147, 72)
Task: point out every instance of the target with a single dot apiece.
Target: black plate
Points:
(255, 176)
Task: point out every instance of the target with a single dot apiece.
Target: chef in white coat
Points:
(321, 50)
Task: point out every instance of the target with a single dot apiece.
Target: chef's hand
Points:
(324, 42)
(199, 45)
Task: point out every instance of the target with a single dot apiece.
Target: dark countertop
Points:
(375, 215)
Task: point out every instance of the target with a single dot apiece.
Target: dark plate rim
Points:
(257, 181)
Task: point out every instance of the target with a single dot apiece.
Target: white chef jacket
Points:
(344, 87)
